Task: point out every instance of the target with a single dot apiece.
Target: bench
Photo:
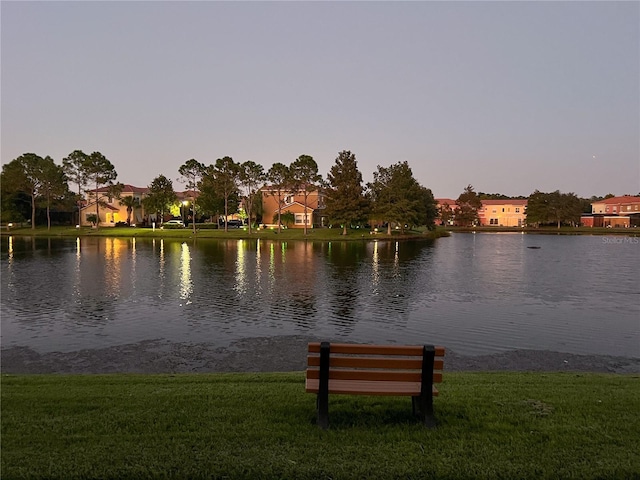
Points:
(355, 369)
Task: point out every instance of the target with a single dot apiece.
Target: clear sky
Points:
(507, 96)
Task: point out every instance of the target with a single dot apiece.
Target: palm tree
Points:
(131, 203)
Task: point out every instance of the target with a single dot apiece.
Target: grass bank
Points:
(510, 425)
(319, 234)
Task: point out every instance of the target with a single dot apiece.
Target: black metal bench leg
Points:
(424, 402)
(322, 401)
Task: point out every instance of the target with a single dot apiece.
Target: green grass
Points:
(511, 426)
(319, 234)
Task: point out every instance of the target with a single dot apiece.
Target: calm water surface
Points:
(473, 293)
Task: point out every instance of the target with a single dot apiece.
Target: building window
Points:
(517, 209)
(300, 219)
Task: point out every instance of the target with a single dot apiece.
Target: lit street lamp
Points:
(184, 205)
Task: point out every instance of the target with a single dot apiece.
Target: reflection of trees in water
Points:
(294, 267)
(375, 281)
(346, 261)
(233, 285)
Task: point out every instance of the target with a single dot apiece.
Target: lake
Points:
(473, 293)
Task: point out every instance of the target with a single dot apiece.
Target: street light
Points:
(184, 205)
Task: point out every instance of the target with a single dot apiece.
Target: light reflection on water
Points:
(471, 293)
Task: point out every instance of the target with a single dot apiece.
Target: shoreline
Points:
(274, 354)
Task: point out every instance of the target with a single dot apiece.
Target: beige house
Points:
(503, 213)
(111, 211)
(293, 203)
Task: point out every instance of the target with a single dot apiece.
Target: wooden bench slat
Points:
(364, 387)
(354, 348)
(377, 362)
(375, 375)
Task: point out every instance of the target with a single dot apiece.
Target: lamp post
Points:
(184, 205)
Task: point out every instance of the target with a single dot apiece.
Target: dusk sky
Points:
(507, 96)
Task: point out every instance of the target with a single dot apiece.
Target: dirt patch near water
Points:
(273, 354)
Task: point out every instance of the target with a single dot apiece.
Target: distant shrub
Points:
(207, 226)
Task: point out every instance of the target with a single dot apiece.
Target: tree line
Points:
(394, 197)
(32, 184)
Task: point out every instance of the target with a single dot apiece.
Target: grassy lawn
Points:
(511, 426)
(319, 234)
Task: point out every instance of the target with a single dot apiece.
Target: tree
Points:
(160, 196)
(131, 203)
(74, 167)
(554, 207)
(305, 179)
(251, 177)
(279, 177)
(191, 172)
(430, 209)
(25, 174)
(99, 172)
(445, 212)
(210, 201)
(469, 203)
(397, 197)
(54, 185)
(346, 202)
(224, 181)
(15, 204)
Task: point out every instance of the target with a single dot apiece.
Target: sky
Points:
(509, 97)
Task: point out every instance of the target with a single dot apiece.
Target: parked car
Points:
(234, 223)
(174, 223)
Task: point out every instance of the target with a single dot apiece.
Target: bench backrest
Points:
(390, 363)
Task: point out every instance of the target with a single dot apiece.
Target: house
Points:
(293, 203)
(614, 212)
(445, 208)
(507, 212)
(111, 211)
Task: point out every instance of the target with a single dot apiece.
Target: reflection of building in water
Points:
(10, 250)
(186, 285)
(241, 271)
(114, 252)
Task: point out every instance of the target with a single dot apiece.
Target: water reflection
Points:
(470, 292)
(186, 286)
(241, 274)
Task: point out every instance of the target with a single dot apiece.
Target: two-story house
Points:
(293, 203)
(614, 212)
(503, 213)
(111, 209)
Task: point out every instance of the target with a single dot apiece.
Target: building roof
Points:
(126, 189)
(617, 200)
(102, 207)
(442, 201)
(506, 201)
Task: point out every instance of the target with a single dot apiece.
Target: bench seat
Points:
(391, 370)
(368, 387)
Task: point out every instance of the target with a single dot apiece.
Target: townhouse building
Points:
(291, 202)
(614, 212)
